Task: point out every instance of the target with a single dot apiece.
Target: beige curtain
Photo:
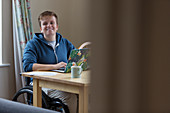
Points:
(23, 32)
(130, 56)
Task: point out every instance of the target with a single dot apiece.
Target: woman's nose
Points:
(48, 25)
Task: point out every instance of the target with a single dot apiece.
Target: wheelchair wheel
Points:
(28, 94)
(57, 105)
(47, 102)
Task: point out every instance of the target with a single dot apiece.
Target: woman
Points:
(48, 50)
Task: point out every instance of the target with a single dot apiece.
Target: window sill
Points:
(4, 65)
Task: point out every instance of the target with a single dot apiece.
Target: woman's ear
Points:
(41, 29)
(57, 27)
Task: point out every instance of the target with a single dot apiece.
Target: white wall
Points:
(7, 81)
(72, 14)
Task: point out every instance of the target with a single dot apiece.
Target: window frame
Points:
(0, 31)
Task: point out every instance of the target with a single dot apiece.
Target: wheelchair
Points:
(47, 102)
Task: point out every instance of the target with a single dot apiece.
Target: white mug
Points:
(76, 71)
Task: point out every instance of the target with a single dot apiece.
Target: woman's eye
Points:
(45, 23)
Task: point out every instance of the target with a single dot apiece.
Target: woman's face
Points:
(49, 26)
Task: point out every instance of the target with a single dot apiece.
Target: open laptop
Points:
(77, 57)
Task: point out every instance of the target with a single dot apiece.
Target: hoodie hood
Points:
(40, 36)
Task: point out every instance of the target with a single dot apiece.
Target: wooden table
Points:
(62, 82)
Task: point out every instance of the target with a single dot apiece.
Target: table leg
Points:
(37, 94)
(86, 100)
(83, 100)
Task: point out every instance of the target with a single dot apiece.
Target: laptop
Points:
(78, 57)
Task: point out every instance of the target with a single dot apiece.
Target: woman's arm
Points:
(37, 67)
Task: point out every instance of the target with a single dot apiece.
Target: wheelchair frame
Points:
(47, 102)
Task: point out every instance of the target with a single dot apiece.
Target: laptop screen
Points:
(78, 57)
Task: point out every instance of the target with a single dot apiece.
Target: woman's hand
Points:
(60, 65)
(37, 67)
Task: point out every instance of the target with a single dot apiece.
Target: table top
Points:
(60, 77)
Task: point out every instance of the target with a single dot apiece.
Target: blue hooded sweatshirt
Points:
(39, 51)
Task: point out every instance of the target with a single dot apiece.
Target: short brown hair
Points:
(47, 13)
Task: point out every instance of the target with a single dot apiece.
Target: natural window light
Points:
(0, 31)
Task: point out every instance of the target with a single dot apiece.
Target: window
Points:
(0, 31)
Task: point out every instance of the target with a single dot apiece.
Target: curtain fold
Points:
(22, 33)
(130, 64)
